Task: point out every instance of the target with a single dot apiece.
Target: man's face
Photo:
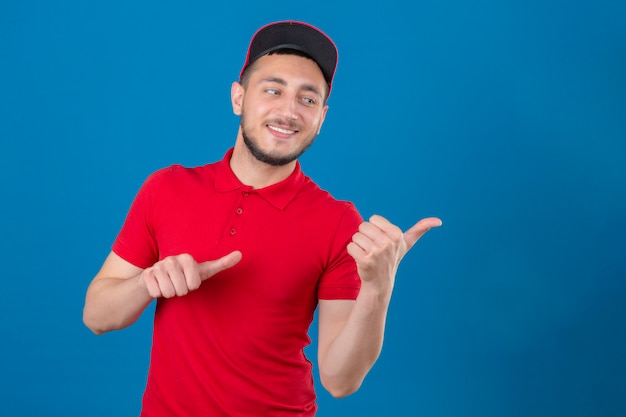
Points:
(281, 107)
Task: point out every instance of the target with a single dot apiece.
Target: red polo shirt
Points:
(234, 347)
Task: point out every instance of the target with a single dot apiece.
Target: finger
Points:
(190, 278)
(381, 222)
(179, 279)
(371, 231)
(387, 228)
(356, 252)
(364, 242)
(378, 232)
(151, 283)
(417, 231)
(172, 275)
(165, 283)
(210, 268)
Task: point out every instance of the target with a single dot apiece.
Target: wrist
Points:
(375, 294)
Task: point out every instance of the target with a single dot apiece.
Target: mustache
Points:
(282, 122)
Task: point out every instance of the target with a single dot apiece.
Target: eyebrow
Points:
(305, 87)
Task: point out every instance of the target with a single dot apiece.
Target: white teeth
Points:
(284, 131)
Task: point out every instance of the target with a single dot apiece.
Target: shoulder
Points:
(328, 208)
(178, 177)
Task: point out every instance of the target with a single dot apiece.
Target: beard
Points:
(268, 157)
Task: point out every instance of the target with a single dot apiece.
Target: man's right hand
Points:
(180, 274)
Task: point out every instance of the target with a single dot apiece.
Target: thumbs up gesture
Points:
(180, 274)
(379, 246)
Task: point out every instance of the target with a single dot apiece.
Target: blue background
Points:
(507, 119)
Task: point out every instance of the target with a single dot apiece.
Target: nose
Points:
(288, 107)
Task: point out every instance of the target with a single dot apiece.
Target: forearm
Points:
(114, 303)
(355, 349)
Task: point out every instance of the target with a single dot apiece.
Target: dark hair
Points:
(245, 75)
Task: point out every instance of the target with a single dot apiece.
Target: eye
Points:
(272, 91)
(309, 101)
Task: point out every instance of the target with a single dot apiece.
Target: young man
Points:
(240, 253)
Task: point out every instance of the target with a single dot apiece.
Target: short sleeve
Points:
(340, 280)
(135, 242)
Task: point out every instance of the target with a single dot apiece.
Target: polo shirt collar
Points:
(279, 195)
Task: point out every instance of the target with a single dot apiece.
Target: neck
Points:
(250, 171)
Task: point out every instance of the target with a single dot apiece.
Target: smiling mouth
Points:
(281, 130)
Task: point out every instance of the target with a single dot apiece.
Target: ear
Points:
(236, 97)
(322, 117)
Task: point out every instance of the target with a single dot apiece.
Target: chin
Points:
(272, 158)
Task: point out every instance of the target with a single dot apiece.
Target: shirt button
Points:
(245, 193)
(233, 232)
(239, 210)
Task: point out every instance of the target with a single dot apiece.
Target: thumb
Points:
(417, 231)
(209, 268)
